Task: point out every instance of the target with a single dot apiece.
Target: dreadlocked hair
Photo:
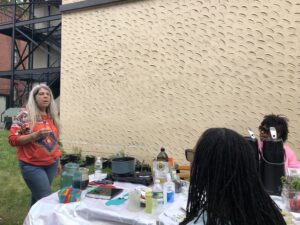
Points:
(225, 188)
(279, 122)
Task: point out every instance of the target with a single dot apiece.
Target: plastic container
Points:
(134, 200)
(98, 169)
(67, 175)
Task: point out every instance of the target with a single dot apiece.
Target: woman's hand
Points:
(42, 133)
(32, 137)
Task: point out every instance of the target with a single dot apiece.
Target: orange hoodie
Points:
(41, 152)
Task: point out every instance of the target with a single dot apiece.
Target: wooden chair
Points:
(183, 171)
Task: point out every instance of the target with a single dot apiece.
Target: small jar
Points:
(81, 178)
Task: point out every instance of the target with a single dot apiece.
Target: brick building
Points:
(34, 55)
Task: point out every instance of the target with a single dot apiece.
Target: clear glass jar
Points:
(69, 170)
(81, 178)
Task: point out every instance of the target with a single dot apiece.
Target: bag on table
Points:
(272, 165)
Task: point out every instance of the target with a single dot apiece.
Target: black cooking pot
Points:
(123, 166)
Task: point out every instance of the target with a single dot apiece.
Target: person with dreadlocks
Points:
(280, 123)
(225, 188)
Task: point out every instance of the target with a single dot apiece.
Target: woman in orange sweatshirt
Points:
(34, 133)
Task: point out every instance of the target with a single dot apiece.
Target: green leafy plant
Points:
(291, 183)
(120, 154)
(295, 183)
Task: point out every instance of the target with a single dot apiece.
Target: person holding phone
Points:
(280, 123)
(225, 187)
(35, 133)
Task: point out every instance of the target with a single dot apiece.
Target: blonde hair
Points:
(34, 111)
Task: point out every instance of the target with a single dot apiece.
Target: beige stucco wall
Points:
(146, 74)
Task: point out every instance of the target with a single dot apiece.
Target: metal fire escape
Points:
(37, 25)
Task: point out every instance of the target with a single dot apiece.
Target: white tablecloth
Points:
(90, 211)
(278, 200)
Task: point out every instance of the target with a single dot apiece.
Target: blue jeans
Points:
(38, 179)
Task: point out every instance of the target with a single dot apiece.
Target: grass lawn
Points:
(14, 194)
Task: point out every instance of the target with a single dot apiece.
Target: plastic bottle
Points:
(161, 166)
(171, 163)
(162, 156)
(157, 197)
(171, 167)
(148, 208)
(169, 190)
(177, 182)
(98, 169)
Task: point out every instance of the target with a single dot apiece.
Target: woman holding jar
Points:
(34, 133)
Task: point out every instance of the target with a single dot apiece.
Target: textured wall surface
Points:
(152, 73)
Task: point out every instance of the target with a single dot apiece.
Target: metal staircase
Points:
(35, 30)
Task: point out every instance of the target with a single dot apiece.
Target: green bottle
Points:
(162, 156)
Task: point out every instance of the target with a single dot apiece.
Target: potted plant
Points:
(74, 156)
(291, 192)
